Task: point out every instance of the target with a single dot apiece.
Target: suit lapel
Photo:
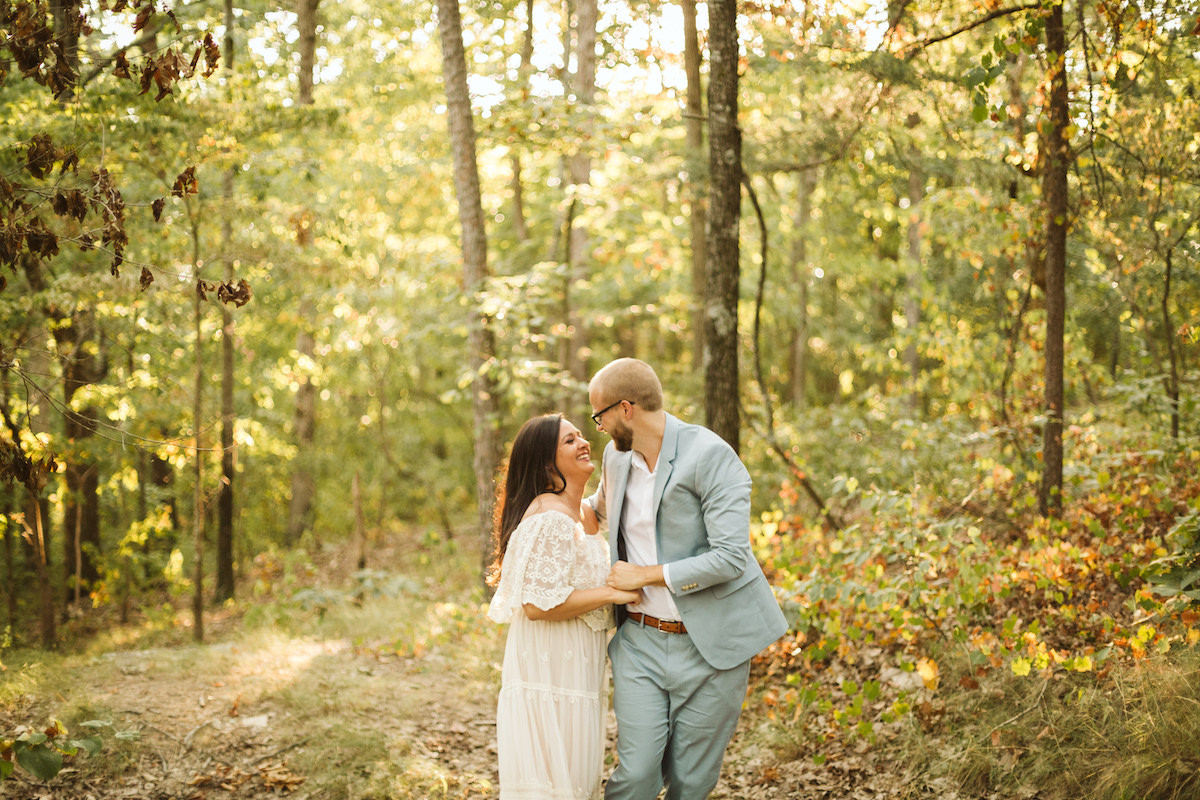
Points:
(666, 460)
(616, 478)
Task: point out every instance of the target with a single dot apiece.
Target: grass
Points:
(347, 667)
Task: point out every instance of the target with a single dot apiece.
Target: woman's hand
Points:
(623, 597)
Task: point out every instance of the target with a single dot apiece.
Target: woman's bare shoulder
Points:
(548, 502)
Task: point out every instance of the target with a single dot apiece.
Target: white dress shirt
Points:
(641, 545)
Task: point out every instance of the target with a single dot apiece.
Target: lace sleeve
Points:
(537, 567)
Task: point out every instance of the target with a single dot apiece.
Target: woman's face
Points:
(574, 456)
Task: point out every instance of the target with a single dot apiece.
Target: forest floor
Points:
(389, 696)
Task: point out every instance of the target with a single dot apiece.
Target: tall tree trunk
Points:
(696, 185)
(198, 445)
(83, 364)
(806, 185)
(1055, 192)
(915, 276)
(579, 168)
(484, 399)
(35, 532)
(225, 580)
(306, 27)
(67, 24)
(1171, 380)
(520, 226)
(724, 271)
(304, 418)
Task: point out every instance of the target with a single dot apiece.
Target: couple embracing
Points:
(676, 575)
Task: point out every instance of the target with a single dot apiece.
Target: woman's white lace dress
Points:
(553, 697)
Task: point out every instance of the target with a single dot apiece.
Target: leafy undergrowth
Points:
(979, 646)
(325, 681)
(939, 649)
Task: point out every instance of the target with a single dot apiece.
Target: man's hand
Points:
(632, 577)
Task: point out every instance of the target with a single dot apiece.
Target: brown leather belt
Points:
(664, 625)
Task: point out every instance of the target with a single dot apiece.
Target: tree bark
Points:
(305, 413)
(35, 532)
(694, 112)
(484, 399)
(83, 364)
(225, 579)
(579, 170)
(520, 226)
(915, 275)
(724, 272)
(806, 185)
(1055, 193)
(304, 427)
(198, 447)
(306, 26)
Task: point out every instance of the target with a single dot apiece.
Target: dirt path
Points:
(225, 721)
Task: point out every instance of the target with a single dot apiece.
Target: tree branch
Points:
(770, 436)
(918, 47)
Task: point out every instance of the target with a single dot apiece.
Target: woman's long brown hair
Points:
(530, 471)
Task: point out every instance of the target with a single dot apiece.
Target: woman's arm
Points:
(581, 601)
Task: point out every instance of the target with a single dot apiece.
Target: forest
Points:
(279, 284)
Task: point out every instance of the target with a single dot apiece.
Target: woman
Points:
(550, 716)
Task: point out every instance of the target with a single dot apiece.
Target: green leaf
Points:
(127, 736)
(92, 744)
(44, 762)
(6, 768)
(95, 723)
(979, 113)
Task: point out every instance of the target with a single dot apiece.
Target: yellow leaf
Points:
(1083, 664)
(1020, 667)
(928, 670)
(1193, 637)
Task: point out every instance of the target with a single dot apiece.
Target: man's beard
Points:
(622, 438)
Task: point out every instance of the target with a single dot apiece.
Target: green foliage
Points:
(43, 753)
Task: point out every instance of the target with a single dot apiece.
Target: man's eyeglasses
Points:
(596, 417)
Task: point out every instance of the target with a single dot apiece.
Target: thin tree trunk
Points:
(198, 452)
(360, 524)
(912, 297)
(47, 626)
(81, 367)
(304, 424)
(306, 27)
(1055, 192)
(304, 484)
(1172, 379)
(520, 226)
(580, 173)
(806, 185)
(696, 184)
(725, 170)
(225, 580)
(484, 399)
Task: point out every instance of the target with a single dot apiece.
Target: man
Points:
(677, 502)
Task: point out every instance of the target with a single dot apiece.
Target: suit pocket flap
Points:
(729, 587)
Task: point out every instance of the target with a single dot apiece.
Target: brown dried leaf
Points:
(212, 55)
(186, 183)
(239, 295)
(143, 17)
(121, 70)
(40, 157)
(157, 208)
(147, 278)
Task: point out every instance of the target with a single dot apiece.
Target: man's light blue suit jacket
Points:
(702, 507)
